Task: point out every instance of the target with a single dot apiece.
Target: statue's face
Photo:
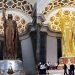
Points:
(10, 16)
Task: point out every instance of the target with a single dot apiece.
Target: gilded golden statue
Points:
(11, 37)
(64, 21)
(67, 25)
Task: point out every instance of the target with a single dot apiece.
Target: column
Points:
(40, 20)
(27, 54)
(33, 36)
(43, 43)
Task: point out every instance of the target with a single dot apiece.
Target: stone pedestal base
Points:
(16, 66)
(65, 60)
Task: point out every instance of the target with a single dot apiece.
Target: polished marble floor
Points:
(55, 72)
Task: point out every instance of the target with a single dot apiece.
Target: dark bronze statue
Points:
(11, 37)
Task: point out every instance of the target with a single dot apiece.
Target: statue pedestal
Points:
(16, 65)
(65, 60)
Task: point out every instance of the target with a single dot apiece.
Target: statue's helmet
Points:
(10, 16)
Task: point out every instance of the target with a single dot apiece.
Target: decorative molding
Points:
(20, 38)
(54, 34)
(44, 29)
(31, 27)
(50, 32)
(24, 37)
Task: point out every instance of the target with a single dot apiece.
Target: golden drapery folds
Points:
(64, 21)
(67, 26)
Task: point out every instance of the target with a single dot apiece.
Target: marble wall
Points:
(51, 50)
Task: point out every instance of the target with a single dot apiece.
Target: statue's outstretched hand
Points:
(3, 13)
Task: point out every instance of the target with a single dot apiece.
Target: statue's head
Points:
(10, 16)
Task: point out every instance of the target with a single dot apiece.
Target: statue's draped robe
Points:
(67, 26)
(11, 39)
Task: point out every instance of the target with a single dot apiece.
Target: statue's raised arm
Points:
(3, 13)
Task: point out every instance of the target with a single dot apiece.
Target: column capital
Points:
(44, 27)
(31, 27)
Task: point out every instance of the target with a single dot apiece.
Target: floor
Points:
(55, 72)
